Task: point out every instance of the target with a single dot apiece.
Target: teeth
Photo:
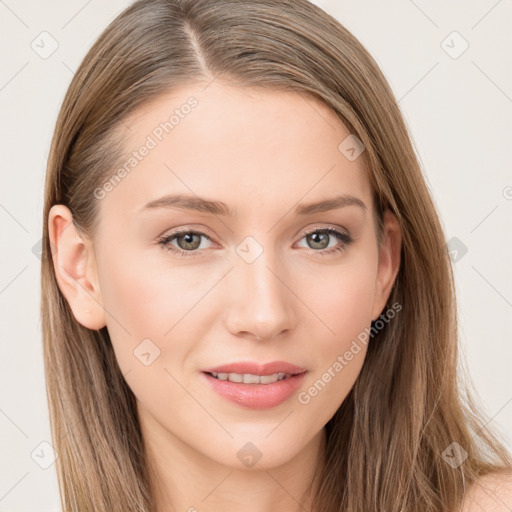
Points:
(248, 378)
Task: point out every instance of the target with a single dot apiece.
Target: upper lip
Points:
(255, 368)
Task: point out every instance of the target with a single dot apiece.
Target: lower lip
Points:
(256, 396)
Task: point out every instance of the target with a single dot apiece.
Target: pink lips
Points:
(257, 396)
(257, 368)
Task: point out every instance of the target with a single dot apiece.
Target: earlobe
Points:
(389, 261)
(75, 268)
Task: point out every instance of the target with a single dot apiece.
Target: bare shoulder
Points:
(492, 493)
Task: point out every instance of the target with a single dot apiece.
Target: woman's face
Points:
(253, 277)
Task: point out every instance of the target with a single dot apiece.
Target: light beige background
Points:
(459, 114)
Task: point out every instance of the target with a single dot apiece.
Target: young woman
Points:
(247, 298)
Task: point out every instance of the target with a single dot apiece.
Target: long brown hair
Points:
(385, 443)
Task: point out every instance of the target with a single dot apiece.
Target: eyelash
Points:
(345, 238)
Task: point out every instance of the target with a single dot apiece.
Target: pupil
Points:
(316, 239)
(188, 240)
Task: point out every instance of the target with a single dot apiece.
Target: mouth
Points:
(249, 378)
(250, 370)
(252, 391)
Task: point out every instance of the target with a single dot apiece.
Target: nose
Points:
(261, 304)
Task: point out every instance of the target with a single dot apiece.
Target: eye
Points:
(187, 242)
(320, 239)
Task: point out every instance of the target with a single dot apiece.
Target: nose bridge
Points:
(261, 303)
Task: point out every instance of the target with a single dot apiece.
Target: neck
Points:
(182, 478)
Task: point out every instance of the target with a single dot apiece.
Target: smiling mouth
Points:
(255, 391)
(248, 378)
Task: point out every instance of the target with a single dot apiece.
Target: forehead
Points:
(237, 144)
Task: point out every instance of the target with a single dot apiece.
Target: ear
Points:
(75, 268)
(389, 261)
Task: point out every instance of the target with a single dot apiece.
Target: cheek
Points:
(150, 299)
(152, 314)
(342, 301)
(340, 297)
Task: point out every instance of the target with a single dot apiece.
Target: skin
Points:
(262, 153)
(492, 493)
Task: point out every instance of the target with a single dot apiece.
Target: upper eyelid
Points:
(326, 228)
(202, 233)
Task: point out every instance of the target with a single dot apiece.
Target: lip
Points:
(255, 368)
(257, 396)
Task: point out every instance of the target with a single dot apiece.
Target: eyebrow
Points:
(199, 204)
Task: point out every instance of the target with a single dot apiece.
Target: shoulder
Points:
(491, 493)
